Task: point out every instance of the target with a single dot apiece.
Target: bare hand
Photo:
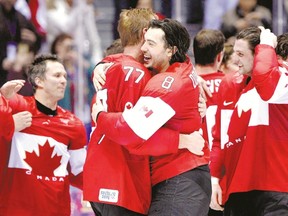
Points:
(203, 88)
(99, 75)
(22, 120)
(96, 109)
(10, 88)
(202, 108)
(216, 197)
(194, 142)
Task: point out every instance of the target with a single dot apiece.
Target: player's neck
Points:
(46, 101)
(200, 69)
(134, 51)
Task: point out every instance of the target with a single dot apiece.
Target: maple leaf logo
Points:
(44, 164)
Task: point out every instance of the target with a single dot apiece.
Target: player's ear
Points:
(172, 50)
(220, 56)
(38, 82)
(280, 59)
(144, 31)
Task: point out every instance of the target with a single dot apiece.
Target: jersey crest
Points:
(39, 155)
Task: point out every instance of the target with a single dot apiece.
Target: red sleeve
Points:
(266, 72)
(115, 128)
(6, 120)
(18, 104)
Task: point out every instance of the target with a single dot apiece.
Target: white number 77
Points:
(130, 70)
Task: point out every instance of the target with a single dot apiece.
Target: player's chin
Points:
(147, 64)
(60, 96)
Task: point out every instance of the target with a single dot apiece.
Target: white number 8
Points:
(167, 82)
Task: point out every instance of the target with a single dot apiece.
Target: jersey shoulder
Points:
(211, 76)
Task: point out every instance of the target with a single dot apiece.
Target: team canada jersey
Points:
(111, 174)
(44, 159)
(256, 151)
(178, 88)
(6, 133)
(213, 81)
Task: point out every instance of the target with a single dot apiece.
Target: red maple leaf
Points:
(44, 164)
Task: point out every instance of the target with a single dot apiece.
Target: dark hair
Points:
(59, 39)
(251, 35)
(228, 51)
(282, 46)
(175, 35)
(207, 44)
(38, 68)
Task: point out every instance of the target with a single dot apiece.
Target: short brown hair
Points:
(38, 68)
(251, 35)
(131, 24)
(282, 46)
(208, 43)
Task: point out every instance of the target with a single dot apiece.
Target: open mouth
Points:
(146, 58)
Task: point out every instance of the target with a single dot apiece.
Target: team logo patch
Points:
(147, 116)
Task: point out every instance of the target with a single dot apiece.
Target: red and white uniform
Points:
(112, 175)
(213, 81)
(45, 159)
(178, 88)
(172, 93)
(256, 152)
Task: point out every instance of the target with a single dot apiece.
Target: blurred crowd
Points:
(68, 29)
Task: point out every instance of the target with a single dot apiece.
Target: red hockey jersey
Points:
(178, 88)
(257, 144)
(44, 159)
(111, 174)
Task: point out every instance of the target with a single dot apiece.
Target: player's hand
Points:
(194, 142)
(96, 109)
(267, 37)
(22, 120)
(10, 88)
(204, 90)
(99, 75)
(216, 197)
(202, 108)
